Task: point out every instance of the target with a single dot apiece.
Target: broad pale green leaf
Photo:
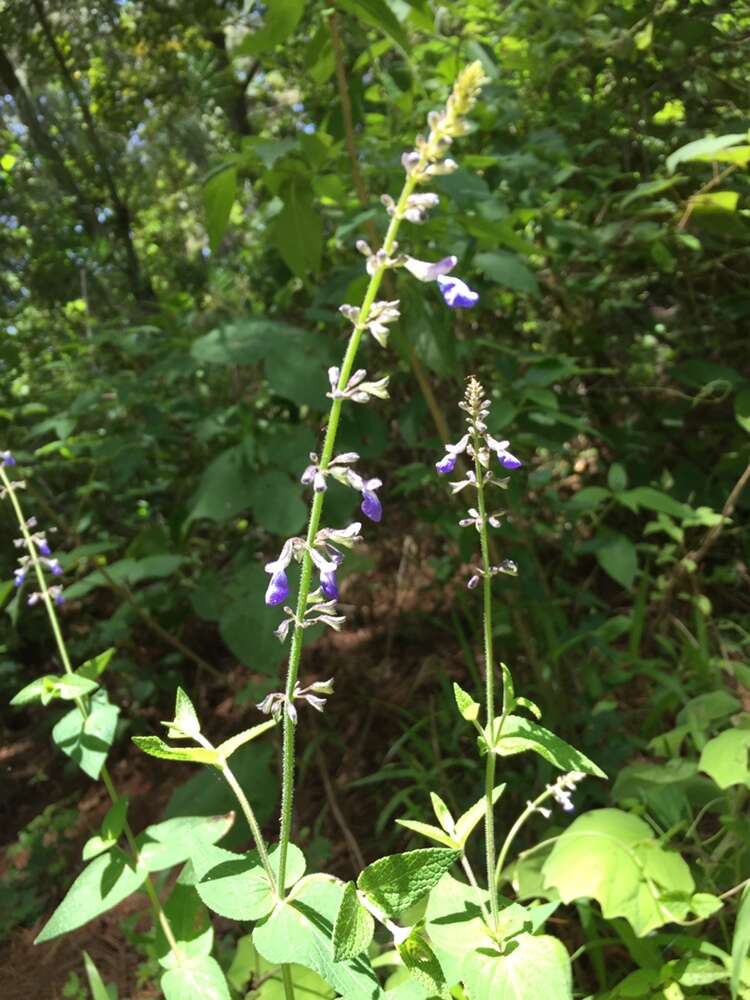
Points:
(172, 841)
(200, 976)
(527, 968)
(423, 965)
(508, 269)
(280, 18)
(96, 984)
(521, 734)
(156, 747)
(740, 941)
(454, 923)
(219, 192)
(703, 148)
(300, 931)
(378, 15)
(71, 686)
(617, 557)
(397, 881)
(228, 747)
(248, 965)
(725, 758)
(611, 856)
(87, 741)
(354, 926)
(235, 885)
(190, 923)
(102, 884)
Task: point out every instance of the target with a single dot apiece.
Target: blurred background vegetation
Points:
(181, 186)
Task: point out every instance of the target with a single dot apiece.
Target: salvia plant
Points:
(440, 924)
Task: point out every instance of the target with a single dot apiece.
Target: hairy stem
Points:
(82, 706)
(316, 509)
(489, 680)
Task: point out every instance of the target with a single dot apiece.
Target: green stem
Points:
(531, 807)
(489, 774)
(82, 706)
(316, 509)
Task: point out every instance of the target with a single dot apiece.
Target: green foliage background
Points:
(181, 186)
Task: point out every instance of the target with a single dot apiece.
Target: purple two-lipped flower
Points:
(456, 293)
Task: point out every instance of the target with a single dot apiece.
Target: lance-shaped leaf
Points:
(156, 747)
(87, 740)
(185, 724)
(109, 833)
(462, 828)
(466, 705)
(354, 927)
(519, 734)
(228, 747)
(396, 882)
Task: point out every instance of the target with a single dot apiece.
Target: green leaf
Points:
(703, 149)
(235, 885)
(473, 816)
(617, 557)
(527, 968)
(508, 269)
(173, 841)
(156, 747)
(397, 881)
(466, 705)
(612, 857)
(442, 813)
(297, 233)
(185, 723)
(247, 965)
(715, 201)
(279, 21)
(454, 923)
(190, 923)
(742, 409)
(96, 666)
(243, 343)
(102, 884)
(725, 758)
(219, 192)
(228, 747)
(109, 832)
(72, 686)
(423, 965)
(276, 503)
(128, 572)
(521, 734)
(96, 984)
(740, 941)
(652, 499)
(617, 477)
(300, 931)
(354, 926)
(378, 15)
(196, 977)
(429, 831)
(225, 488)
(87, 741)
(40, 689)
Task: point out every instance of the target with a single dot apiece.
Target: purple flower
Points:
(278, 588)
(54, 567)
(371, 506)
(329, 584)
(7, 458)
(456, 293)
(41, 544)
(428, 271)
(19, 575)
(448, 462)
(507, 460)
(278, 585)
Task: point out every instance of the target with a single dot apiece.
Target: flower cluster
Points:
(480, 446)
(326, 558)
(340, 469)
(43, 555)
(562, 792)
(277, 703)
